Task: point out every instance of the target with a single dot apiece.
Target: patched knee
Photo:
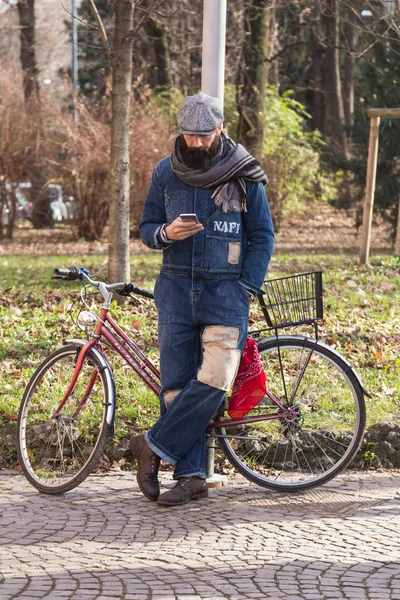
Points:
(220, 356)
(170, 396)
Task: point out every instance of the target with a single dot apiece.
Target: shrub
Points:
(77, 156)
(292, 158)
(152, 123)
(291, 154)
(15, 145)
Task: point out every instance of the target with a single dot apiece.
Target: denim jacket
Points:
(235, 245)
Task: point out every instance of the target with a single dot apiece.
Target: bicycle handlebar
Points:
(130, 288)
(68, 273)
(123, 289)
(142, 292)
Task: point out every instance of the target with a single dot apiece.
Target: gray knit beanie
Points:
(200, 114)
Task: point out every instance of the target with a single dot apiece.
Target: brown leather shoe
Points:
(187, 488)
(147, 466)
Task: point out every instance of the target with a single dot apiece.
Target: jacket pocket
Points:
(175, 204)
(222, 254)
(234, 249)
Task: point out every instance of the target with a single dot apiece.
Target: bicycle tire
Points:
(329, 428)
(56, 455)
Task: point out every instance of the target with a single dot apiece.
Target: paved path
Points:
(104, 540)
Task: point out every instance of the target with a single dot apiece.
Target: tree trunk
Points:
(349, 67)
(158, 35)
(318, 112)
(397, 241)
(11, 215)
(3, 205)
(41, 212)
(254, 73)
(42, 217)
(333, 86)
(118, 244)
(26, 12)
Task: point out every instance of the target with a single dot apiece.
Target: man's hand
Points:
(180, 230)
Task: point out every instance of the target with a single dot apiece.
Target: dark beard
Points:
(198, 158)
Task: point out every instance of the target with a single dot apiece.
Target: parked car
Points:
(23, 204)
(62, 206)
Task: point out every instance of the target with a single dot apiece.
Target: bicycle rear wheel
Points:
(323, 438)
(58, 453)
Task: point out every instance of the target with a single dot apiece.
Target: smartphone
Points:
(189, 217)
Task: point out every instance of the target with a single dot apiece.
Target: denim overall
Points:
(202, 300)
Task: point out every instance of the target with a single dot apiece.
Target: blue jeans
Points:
(202, 331)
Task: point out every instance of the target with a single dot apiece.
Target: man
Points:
(209, 269)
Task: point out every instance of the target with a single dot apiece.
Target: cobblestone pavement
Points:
(104, 540)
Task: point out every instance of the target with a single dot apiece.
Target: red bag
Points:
(249, 386)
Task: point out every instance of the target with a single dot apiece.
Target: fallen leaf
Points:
(388, 391)
(387, 287)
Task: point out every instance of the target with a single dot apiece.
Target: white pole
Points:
(213, 55)
(212, 83)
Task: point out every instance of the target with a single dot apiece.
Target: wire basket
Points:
(294, 300)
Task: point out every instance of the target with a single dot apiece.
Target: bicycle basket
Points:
(294, 300)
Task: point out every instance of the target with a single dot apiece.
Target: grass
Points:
(362, 321)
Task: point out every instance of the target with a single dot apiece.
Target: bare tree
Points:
(317, 56)
(121, 60)
(41, 213)
(350, 63)
(120, 57)
(333, 86)
(253, 75)
(157, 33)
(26, 13)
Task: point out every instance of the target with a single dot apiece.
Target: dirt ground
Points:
(319, 230)
(325, 230)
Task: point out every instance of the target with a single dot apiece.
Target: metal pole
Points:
(213, 54)
(212, 83)
(74, 66)
(370, 189)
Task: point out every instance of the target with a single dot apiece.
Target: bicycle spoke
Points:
(55, 451)
(273, 460)
(336, 441)
(313, 444)
(283, 464)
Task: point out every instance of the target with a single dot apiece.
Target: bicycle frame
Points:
(284, 413)
(146, 370)
(135, 359)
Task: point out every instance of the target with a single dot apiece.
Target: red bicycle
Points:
(304, 432)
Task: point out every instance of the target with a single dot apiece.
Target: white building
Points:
(53, 43)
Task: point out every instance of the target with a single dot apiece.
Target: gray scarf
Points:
(228, 170)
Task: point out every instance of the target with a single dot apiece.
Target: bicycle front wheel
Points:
(57, 452)
(324, 436)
